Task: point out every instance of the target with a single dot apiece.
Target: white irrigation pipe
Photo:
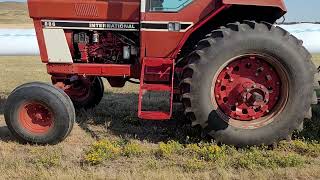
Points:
(24, 42)
(309, 33)
(18, 42)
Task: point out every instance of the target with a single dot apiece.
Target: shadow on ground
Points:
(311, 129)
(5, 134)
(2, 104)
(118, 114)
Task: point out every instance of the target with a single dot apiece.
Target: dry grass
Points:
(316, 59)
(14, 15)
(112, 143)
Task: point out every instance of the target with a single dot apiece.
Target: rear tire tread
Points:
(213, 39)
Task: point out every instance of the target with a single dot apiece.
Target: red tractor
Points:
(242, 79)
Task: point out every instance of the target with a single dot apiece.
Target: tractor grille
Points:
(86, 10)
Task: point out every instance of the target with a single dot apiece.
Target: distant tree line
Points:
(301, 22)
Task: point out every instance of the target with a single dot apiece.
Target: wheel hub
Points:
(256, 95)
(248, 88)
(36, 117)
(78, 89)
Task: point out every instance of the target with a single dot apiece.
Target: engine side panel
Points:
(87, 15)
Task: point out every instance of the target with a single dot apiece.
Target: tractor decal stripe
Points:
(92, 25)
(164, 26)
(116, 26)
(154, 26)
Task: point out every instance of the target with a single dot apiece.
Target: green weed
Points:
(255, 158)
(101, 151)
(169, 148)
(207, 151)
(132, 149)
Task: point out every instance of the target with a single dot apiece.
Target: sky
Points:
(299, 10)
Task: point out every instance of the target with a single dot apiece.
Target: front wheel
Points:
(85, 92)
(248, 84)
(39, 113)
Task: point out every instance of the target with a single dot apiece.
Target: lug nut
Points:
(268, 77)
(260, 69)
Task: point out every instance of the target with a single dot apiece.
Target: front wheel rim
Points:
(250, 90)
(36, 117)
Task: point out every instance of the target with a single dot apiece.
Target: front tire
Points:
(85, 92)
(248, 84)
(39, 113)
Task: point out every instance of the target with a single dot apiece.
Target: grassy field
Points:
(14, 15)
(110, 142)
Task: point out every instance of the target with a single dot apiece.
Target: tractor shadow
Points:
(117, 115)
(2, 105)
(5, 134)
(311, 129)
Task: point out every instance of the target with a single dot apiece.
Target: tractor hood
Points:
(94, 10)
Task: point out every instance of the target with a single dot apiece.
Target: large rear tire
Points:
(39, 113)
(248, 84)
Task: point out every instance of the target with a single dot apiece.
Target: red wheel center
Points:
(248, 88)
(78, 91)
(36, 118)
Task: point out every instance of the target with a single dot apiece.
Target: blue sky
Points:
(299, 10)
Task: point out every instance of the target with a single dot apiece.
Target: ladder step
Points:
(155, 73)
(154, 115)
(157, 62)
(156, 87)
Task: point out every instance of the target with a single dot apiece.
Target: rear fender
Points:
(270, 3)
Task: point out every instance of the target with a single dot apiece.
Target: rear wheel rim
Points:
(250, 90)
(36, 117)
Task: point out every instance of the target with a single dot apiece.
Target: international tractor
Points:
(242, 79)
